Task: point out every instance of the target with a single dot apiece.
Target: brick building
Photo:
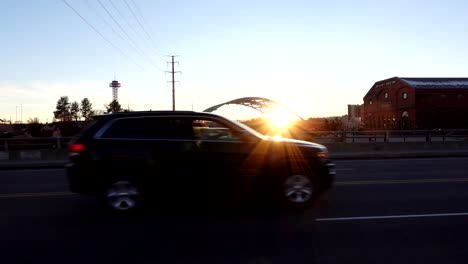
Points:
(417, 103)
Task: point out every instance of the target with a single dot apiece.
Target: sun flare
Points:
(279, 118)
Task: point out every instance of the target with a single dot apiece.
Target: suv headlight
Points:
(322, 153)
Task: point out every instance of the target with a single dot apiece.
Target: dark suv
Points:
(172, 157)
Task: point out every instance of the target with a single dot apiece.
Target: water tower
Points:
(115, 86)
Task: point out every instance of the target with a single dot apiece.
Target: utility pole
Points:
(173, 81)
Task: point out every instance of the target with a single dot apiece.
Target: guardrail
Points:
(383, 136)
(340, 144)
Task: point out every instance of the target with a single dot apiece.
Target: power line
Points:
(145, 22)
(102, 36)
(128, 36)
(135, 31)
(136, 18)
(141, 25)
(124, 18)
(108, 24)
(116, 32)
(118, 24)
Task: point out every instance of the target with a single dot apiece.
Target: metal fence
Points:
(389, 136)
(33, 143)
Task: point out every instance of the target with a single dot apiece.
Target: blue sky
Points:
(315, 57)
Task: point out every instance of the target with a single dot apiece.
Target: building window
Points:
(386, 95)
(370, 102)
(404, 114)
(405, 96)
(460, 97)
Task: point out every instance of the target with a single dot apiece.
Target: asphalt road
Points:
(378, 211)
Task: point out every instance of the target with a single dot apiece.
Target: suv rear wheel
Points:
(122, 196)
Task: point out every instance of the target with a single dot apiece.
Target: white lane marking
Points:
(448, 180)
(430, 159)
(389, 217)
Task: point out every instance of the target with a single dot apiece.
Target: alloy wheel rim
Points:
(298, 189)
(122, 196)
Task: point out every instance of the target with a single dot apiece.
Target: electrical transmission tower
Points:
(173, 80)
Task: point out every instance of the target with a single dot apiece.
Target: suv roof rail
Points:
(148, 113)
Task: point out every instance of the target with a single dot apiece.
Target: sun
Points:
(280, 118)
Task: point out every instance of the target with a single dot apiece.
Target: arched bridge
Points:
(258, 103)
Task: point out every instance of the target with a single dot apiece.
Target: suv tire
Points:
(298, 187)
(122, 196)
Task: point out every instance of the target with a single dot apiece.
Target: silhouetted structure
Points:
(417, 103)
(258, 103)
(115, 86)
(354, 117)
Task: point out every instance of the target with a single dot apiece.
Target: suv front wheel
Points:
(299, 187)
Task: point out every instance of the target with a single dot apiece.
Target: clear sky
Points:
(315, 57)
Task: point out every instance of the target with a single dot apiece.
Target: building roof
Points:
(436, 83)
(421, 83)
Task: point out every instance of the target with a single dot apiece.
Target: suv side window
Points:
(150, 128)
(205, 129)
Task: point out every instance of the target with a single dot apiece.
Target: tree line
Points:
(66, 111)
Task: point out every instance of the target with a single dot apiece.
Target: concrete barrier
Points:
(4, 155)
(33, 155)
(397, 150)
(30, 155)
